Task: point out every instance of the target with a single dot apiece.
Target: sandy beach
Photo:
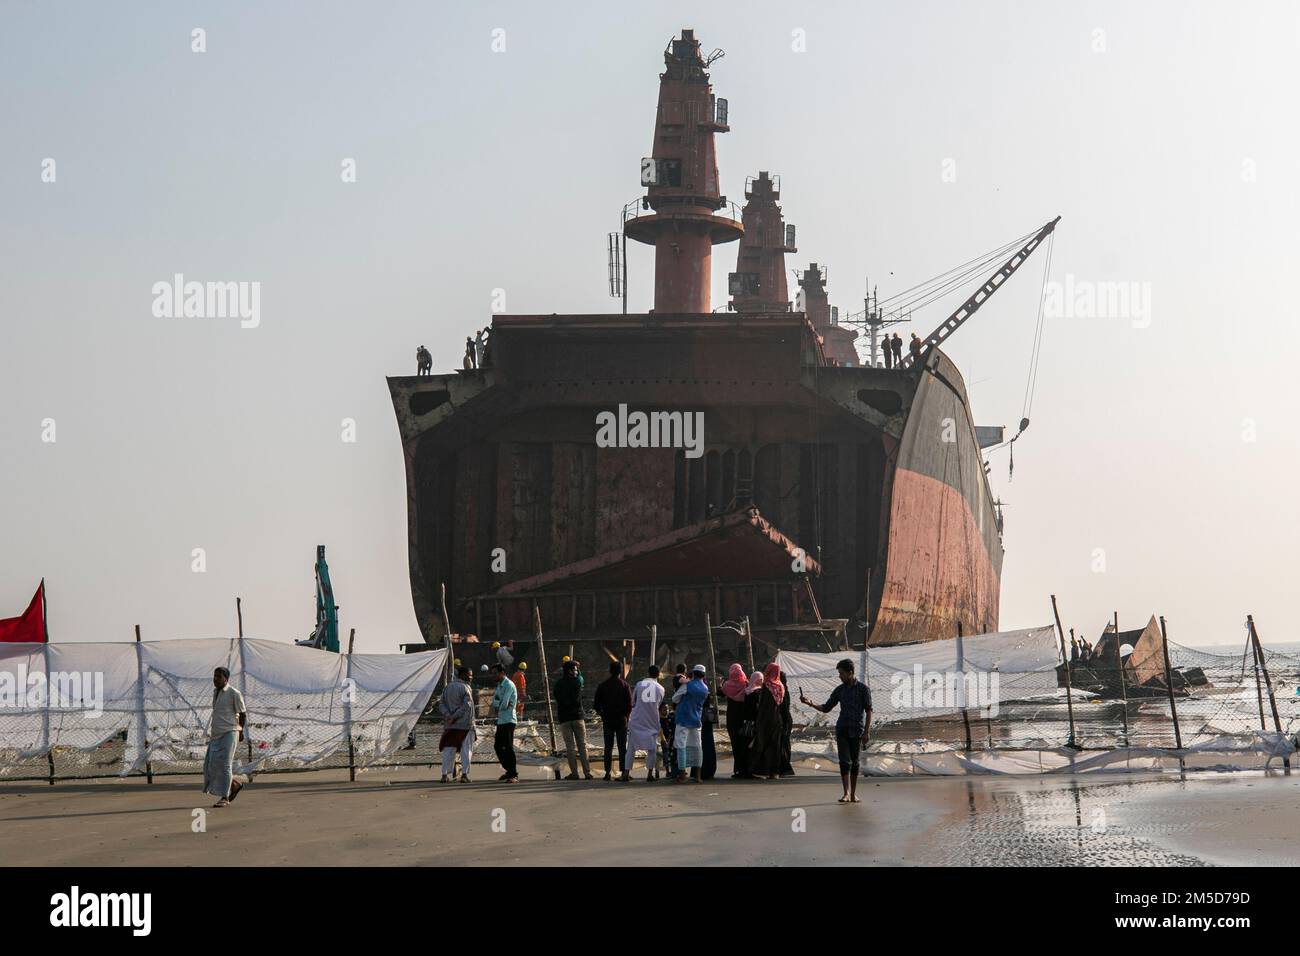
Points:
(403, 817)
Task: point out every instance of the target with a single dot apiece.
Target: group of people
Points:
(1081, 649)
(476, 349)
(477, 353)
(673, 728)
(892, 346)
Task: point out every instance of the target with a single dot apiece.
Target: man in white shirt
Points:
(226, 729)
(643, 725)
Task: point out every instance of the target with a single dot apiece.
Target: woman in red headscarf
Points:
(765, 753)
(739, 729)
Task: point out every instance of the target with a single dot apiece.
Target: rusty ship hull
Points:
(830, 503)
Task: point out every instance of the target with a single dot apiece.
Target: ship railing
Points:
(638, 208)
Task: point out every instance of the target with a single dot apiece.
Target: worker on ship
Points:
(914, 347)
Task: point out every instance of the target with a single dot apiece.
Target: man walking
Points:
(457, 709)
(503, 705)
(613, 703)
(568, 709)
(851, 729)
(690, 699)
(643, 726)
(225, 730)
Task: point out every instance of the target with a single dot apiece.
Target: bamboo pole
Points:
(1123, 682)
(144, 724)
(352, 762)
(654, 643)
(713, 661)
(1268, 683)
(1169, 685)
(243, 683)
(749, 643)
(546, 676)
(446, 624)
(961, 682)
(1069, 690)
(1259, 690)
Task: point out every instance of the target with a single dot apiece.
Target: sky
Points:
(494, 145)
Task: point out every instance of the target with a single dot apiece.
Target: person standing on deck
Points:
(643, 726)
(914, 347)
(851, 728)
(568, 709)
(503, 705)
(889, 354)
(229, 718)
(689, 698)
(457, 709)
(613, 702)
(896, 346)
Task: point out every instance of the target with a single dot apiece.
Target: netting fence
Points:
(108, 709)
(995, 703)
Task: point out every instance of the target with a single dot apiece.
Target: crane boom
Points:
(971, 305)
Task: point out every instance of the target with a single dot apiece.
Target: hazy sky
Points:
(1158, 472)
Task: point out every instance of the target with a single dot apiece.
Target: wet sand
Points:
(401, 817)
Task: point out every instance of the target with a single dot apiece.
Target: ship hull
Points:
(866, 507)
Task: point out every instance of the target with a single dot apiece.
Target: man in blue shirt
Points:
(854, 700)
(503, 702)
(690, 698)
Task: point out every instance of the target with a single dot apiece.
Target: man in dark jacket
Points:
(613, 703)
(568, 714)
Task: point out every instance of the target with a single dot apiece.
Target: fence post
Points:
(449, 670)
(243, 685)
(546, 678)
(961, 684)
(1268, 682)
(347, 709)
(1065, 656)
(1123, 683)
(749, 643)
(144, 724)
(1169, 685)
(49, 744)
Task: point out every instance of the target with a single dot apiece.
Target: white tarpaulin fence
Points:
(304, 705)
(932, 679)
(1007, 685)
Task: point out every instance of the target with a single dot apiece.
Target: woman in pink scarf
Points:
(740, 719)
(765, 752)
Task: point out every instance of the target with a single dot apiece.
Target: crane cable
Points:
(1032, 379)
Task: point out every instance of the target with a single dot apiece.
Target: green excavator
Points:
(326, 635)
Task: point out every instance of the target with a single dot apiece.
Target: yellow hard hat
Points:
(456, 662)
(565, 659)
(495, 645)
(523, 665)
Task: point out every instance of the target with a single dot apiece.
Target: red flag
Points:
(30, 626)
